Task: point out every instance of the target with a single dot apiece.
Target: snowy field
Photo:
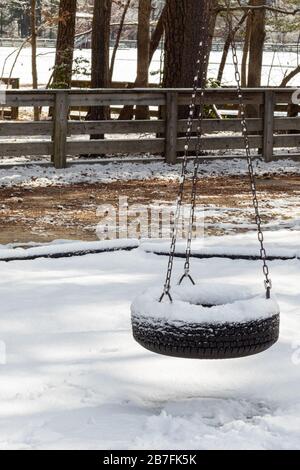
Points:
(75, 378)
(42, 176)
(276, 66)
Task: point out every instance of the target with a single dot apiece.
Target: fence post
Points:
(60, 128)
(15, 84)
(171, 127)
(268, 116)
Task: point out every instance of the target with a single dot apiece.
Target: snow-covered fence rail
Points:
(59, 137)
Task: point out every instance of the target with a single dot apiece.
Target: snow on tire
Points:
(198, 325)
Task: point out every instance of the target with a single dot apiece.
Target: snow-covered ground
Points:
(71, 375)
(278, 243)
(75, 378)
(276, 65)
(42, 176)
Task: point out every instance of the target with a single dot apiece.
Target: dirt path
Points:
(44, 214)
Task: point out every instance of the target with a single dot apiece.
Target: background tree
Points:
(256, 44)
(143, 52)
(213, 18)
(227, 45)
(183, 22)
(62, 74)
(183, 31)
(156, 36)
(5, 19)
(256, 50)
(33, 28)
(285, 27)
(246, 50)
(125, 6)
(100, 54)
(21, 11)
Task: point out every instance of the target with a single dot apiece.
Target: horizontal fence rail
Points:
(17, 42)
(60, 137)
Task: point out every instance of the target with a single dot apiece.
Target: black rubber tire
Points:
(206, 341)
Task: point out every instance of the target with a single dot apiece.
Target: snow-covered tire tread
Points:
(206, 341)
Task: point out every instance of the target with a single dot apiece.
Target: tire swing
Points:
(207, 321)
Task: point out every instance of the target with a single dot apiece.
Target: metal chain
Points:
(192, 111)
(205, 59)
(202, 59)
(161, 61)
(258, 220)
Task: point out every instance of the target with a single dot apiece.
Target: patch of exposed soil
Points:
(45, 214)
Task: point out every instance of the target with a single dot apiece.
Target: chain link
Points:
(191, 116)
(258, 220)
(202, 62)
(205, 59)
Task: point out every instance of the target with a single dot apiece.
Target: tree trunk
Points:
(100, 55)
(33, 53)
(256, 50)
(183, 32)
(62, 75)
(213, 14)
(143, 52)
(184, 21)
(257, 40)
(52, 13)
(246, 51)
(127, 111)
(24, 23)
(157, 34)
(39, 15)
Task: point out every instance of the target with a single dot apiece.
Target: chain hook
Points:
(268, 286)
(186, 276)
(164, 294)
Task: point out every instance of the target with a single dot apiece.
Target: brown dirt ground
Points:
(69, 212)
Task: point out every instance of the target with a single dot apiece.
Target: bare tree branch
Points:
(289, 77)
(118, 38)
(258, 7)
(157, 33)
(228, 40)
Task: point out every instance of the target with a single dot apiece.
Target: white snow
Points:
(71, 375)
(280, 243)
(40, 176)
(66, 247)
(74, 377)
(276, 65)
(233, 304)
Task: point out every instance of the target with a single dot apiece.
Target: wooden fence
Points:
(59, 137)
(13, 83)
